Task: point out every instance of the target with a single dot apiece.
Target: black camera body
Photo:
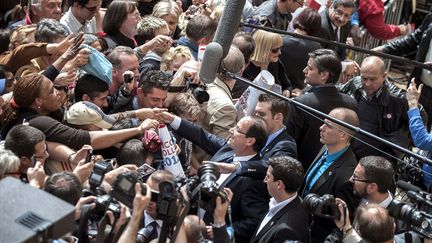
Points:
(105, 203)
(198, 91)
(322, 207)
(420, 221)
(123, 188)
(98, 174)
(209, 174)
(128, 78)
(167, 202)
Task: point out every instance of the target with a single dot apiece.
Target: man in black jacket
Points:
(380, 111)
(335, 24)
(321, 73)
(331, 169)
(286, 219)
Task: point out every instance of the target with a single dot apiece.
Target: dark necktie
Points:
(149, 232)
(336, 34)
(312, 173)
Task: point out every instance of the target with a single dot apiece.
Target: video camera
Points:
(418, 216)
(123, 188)
(420, 221)
(323, 207)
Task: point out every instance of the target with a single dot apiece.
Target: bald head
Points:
(373, 74)
(375, 62)
(374, 218)
(347, 115)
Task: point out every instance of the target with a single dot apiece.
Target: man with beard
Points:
(372, 179)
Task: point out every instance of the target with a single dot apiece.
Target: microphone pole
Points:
(321, 114)
(329, 42)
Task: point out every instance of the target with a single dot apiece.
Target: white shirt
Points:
(386, 202)
(274, 208)
(149, 219)
(75, 26)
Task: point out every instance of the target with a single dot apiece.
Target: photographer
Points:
(369, 220)
(150, 226)
(140, 202)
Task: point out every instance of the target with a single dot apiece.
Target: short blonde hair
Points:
(166, 7)
(265, 41)
(173, 53)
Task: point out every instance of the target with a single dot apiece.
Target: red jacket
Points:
(371, 14)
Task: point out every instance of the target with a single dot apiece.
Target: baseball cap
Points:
(87, 113)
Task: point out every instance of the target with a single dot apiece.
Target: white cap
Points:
(87, 113)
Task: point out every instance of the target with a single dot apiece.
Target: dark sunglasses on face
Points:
(275, 50)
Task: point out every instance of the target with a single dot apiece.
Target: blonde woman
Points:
(169, 11)
(266, 57)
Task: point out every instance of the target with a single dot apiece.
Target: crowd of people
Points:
(86, 84)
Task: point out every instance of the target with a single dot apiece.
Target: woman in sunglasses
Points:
(266, 57)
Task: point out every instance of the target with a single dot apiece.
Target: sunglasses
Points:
(275, 50)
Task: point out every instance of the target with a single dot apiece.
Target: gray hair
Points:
(9, 162)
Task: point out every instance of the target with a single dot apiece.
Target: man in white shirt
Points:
(286, 218)
(81, 16)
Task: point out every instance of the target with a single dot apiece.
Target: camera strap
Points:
(180, 220)
(101, 236)
(82, 233)
(177, 89)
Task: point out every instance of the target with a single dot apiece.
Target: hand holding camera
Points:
(129, 81)
(343, 222)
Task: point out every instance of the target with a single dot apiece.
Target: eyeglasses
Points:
(92, 9)
(341, 13)
(237, 129)
(275, 50)
(355, 178)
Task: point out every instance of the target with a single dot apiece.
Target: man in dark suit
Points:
(279, 143)
(286, 218)
(335, 24)
(247, 138)
(150, 225)
(321, 73)
(332, 168)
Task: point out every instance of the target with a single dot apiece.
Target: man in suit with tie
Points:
(150, 226)
(335, 24)
(279, 143)
(332, 168)
(321, 73)
(286, 218)
(245, 142)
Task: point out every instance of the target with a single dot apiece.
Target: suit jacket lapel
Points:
(329, 172)
(276, 217)
(278, 138)
(223, 154)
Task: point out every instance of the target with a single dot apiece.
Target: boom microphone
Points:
(229, 24)
(211, 61)
(407, 186)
